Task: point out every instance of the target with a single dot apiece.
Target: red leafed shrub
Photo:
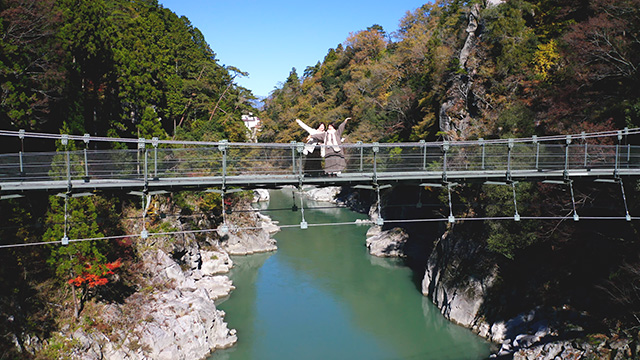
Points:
(95, 278)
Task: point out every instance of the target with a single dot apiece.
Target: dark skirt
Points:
(312, 165)
(334, 161)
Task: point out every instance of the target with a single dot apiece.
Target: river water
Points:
(322, 296)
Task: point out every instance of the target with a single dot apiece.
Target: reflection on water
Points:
(321, 295)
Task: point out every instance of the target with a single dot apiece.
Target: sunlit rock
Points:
(325, 194)
(388, 243)
(260, 195)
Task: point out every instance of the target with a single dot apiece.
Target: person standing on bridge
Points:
(310, 143)
(313, 161)
(334, 161)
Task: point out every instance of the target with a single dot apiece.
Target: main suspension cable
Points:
(358, 222)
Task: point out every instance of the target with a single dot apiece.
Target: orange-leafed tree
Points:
(84, 262)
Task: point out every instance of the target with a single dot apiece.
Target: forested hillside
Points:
(513, 69)
(117, 68)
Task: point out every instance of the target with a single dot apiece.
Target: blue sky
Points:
(267, 38)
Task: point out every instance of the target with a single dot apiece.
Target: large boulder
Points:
(325, 194)
(456, 288)
(388, 243)
(260, 195)
(247, 234)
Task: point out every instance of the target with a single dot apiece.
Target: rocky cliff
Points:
(175, 319)
(467, 283)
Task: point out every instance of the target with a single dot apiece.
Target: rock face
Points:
(254, 237)
(326, 194)
(260, 195)
(245, 243)
(462, 290)
(388, 243)
(458, 291)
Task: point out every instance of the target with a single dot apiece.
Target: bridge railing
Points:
(223, 159)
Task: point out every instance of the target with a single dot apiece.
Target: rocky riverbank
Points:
(175, 317)
(465, 285)
(173, 313)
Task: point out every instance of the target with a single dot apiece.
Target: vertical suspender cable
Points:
(65, 238)
(85, 138)
(451, 218)
(21, 136)
(303, 222)
(516, 216)
(624, 199)
(573, 201)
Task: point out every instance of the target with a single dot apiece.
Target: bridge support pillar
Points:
(482, 146)
(375, 149)
(154, 142)
(566, 157)
(534, 138)
(222, 146)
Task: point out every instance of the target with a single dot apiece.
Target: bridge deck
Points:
(272, 181)
(170, 165)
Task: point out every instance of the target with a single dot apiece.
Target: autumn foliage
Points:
(95, 275)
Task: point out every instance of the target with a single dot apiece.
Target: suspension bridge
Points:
(165, 164)
(153, 166)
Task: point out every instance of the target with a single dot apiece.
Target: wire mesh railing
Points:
(175, 160)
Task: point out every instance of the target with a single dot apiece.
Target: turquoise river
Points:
(322, 296)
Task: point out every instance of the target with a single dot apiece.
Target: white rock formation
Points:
(260, 195)
(388, 243)
(247, 234)
(491, 3)
(176, 321)
(326, 194)
(247, 242)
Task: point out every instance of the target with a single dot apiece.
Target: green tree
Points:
(30, 64)
(78, 257)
